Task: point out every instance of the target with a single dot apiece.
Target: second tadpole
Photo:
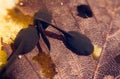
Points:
(75, 41)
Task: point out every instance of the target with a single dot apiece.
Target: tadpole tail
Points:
(64, 32)
(40, 29)
(10, 60)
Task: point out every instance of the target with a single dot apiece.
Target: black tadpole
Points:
(24, 42)
(76, 42)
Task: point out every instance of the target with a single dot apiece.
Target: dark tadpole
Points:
(24, 42)
(84, 11)
(76, 42)
(27, 38)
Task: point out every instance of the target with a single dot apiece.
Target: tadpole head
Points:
(78, 43)
(41, 16)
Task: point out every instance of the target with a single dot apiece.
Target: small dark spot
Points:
(117, 59)
(84, 11)
(16, 10)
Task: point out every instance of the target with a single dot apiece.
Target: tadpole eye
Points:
(84, 11)
(36, 21)
(44, 24)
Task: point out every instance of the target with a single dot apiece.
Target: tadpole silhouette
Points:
(75, 41)
(78, 43)
(25, 41)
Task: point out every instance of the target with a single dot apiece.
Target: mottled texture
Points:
(103, 29)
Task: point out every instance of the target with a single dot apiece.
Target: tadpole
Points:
(24, 42)
(28, 38)
(76, 42)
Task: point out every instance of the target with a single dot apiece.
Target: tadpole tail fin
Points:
(40, 29)
(64, 32)
(10, 60)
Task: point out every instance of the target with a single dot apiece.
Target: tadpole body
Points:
(26, 39)
(78, 43)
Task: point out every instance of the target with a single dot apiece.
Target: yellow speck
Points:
(0, 46)
(97, 52)
(3, 58)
